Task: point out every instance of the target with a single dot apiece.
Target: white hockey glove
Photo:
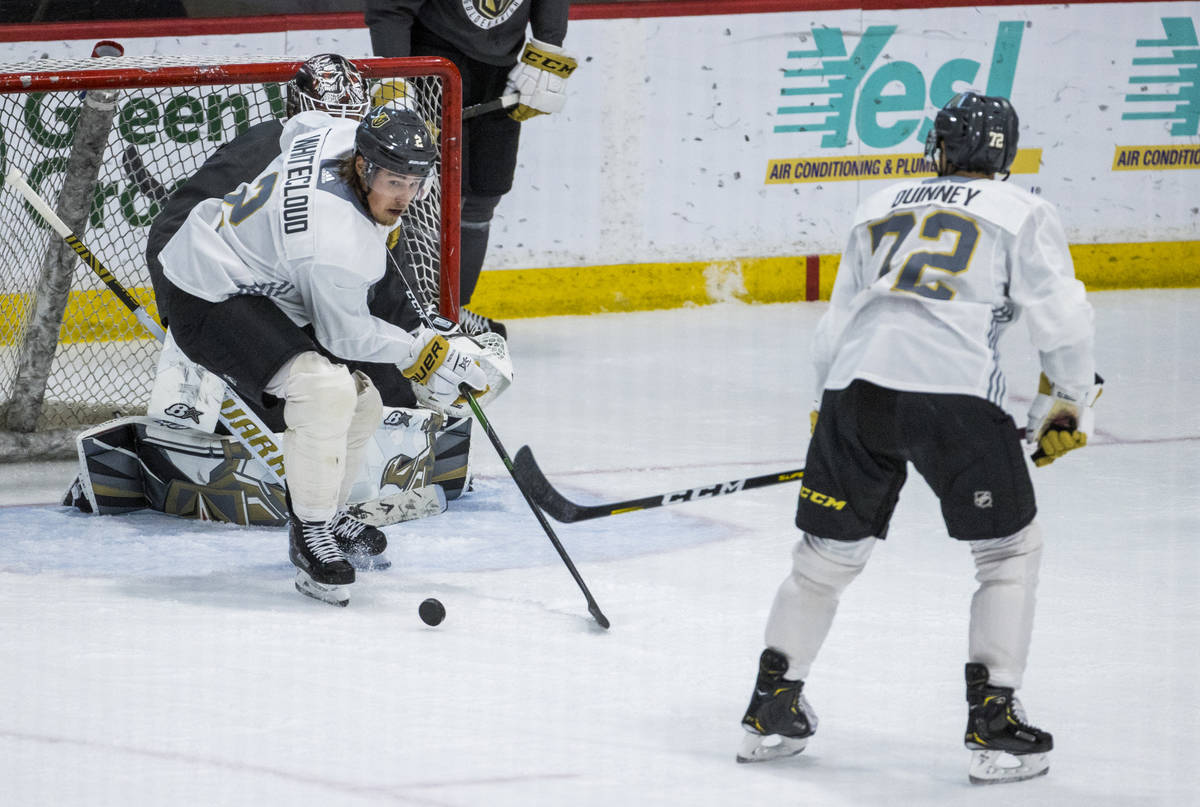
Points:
(1060, 419)
(489, 351)
(437, 370)
(540, 79)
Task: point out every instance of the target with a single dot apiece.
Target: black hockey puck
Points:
(432, 612)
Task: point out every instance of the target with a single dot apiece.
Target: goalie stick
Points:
(503, 102)
(241, 421)
(563, 509)
(477, 411)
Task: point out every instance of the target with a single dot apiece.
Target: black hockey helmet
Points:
(396, 139)
(328, 82)
(976, 132)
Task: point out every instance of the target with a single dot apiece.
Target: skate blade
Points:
(764, 748)
(363, 562)
(992, 767)
(332, 594)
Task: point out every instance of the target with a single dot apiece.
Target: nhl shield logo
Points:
(983, 499)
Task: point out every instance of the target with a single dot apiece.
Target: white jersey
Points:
(298, 235)
(933, 272)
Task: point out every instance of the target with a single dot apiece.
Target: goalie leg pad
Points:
(183, 391)
(320, 400)
(1003, 605)
(807, 599)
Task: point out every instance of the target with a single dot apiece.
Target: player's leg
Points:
(319, 403)
(489, 152)
(978, 470)
(490, 144)
(358, 539)
(850, 489)
(251, 343)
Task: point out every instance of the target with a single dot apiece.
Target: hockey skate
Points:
(779, 720)
(362, 543)
(473, 324)
(322, 569)
(1004, 748)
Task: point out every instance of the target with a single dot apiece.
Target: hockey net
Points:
(105, 141)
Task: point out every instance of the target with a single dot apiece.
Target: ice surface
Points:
(151, 661)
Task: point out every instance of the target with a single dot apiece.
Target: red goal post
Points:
(105, 141)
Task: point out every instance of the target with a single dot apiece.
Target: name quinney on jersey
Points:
(949, 194)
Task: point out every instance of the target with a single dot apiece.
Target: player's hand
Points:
(437, 370)
(540, 80)
(1060, 419)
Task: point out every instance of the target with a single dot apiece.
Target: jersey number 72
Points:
(955, 261)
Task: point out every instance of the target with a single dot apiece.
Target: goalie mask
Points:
(397, 140)
(976, 133)
(330, 83)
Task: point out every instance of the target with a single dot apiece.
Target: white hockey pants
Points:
(327, 410)
(1003, 605)
(808, 598)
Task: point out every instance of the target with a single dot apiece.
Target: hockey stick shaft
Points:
(503, 102)
(593, 607)
(17, 180)
(477, 411)
(239, 419)
(560, 508)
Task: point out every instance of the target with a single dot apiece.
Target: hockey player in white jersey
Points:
(908, 371)
(301, 245)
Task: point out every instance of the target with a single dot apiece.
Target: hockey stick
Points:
(593, 607)
(563, 509)
(503, 102)
(240, 420)
(17, 180)
(477, 410)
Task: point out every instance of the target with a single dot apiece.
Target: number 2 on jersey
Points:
(242, 208)
(955, 261)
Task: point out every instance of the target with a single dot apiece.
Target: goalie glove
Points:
(1060, 419)
(540, 80)
(437, 371)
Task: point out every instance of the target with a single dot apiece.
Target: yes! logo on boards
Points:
(832, 88)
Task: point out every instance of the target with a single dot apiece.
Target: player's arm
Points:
(344, 325)
(1061, 327)
(849, 282)
(390, 24)
(548, 21)
(540, 76)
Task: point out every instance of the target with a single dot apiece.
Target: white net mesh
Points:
(153, 124)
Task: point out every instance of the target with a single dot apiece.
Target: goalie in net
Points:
(279, 303)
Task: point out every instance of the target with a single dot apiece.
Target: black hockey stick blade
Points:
(503, 102)
(560, 508)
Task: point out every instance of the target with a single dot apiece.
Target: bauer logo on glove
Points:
(438, 373)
